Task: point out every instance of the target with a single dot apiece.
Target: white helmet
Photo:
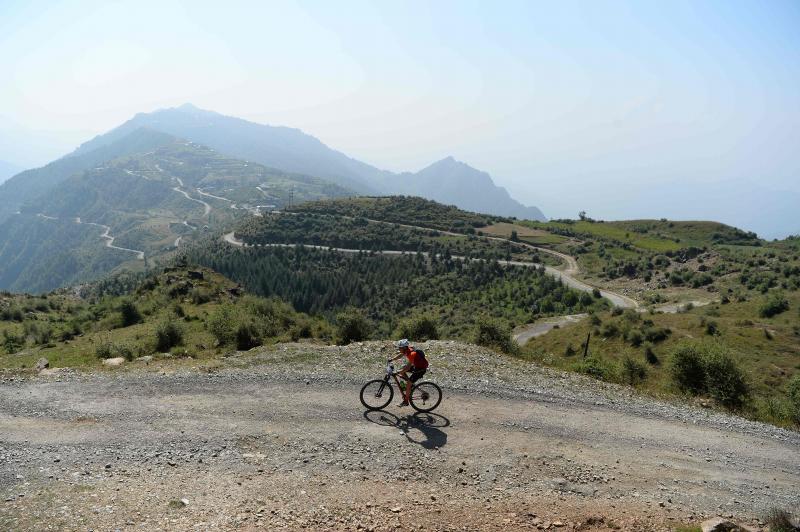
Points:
(402, 344)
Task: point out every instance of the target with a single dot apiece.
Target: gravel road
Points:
(276, 438)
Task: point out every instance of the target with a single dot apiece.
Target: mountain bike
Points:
(378, 393)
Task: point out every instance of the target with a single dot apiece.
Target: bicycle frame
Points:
(391, 373)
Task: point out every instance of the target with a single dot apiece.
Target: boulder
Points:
(113, 362)
(42, 363)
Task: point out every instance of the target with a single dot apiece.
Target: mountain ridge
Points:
(293, 150)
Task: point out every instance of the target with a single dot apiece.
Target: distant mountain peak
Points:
(449, 181)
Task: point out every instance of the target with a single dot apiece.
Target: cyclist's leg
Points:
(403, 374)
(416, 374)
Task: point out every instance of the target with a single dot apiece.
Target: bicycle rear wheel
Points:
(376, 394)
(425, 396)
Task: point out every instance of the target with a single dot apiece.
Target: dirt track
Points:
(286, 443)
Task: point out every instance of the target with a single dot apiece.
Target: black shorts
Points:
(416, 374)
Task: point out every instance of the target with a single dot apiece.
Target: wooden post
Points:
(586, 347)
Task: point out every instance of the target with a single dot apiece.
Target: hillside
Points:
(189, 312)
(706, 291)
(132, 208)
(294, 151)
(31, 184)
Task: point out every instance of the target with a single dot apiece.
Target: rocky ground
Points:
(276, 439)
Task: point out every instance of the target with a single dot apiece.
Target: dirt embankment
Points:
(277, 439)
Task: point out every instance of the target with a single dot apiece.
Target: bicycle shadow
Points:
(427, 423)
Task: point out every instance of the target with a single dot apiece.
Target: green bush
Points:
(633, 371)
(104, 350)
(725, 380)
(609, 330)
(687, 368)
(595, 367)
(702, 368)
(247, 337)
(495, 334)
(129, 314)
(656, 334)
(773, 305)
(793, 393)
(222, 325)
(419, 328)
(635, 337)
(650, 355)
(168, 335)
(352, 326)
(200, 296)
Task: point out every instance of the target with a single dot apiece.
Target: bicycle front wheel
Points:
(425, 396)
(376, 394)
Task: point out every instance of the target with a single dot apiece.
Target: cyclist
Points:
(414, 369)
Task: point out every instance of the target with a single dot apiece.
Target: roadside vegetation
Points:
(724, 354)
(180, 312)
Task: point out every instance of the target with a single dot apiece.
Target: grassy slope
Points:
(768, 349)
(96, 321)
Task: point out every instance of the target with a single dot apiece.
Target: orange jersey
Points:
(416, 360)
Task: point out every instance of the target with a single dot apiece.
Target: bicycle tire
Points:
(380, 391)
(429, 400)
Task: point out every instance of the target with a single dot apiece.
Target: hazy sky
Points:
(641, 109)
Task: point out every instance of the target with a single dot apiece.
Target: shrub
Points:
(725, 380)
(701, 368)
(594, 367)
(595, 320)
(221, 325)
(129, 314)
(712, 329)
(793, 393)
(419, 328)
(596, 293)
(687, 369)
(124, 351)
(200, 296)
(650, 355)
(569, 351)
(168, 335)
(779, 520)
(12, 342)
(633, 372)
(635, 337)
(773, 305)
(352, 326)
(104, 350)
(247, 337)
(656, 334)
(496, 335)
(609, 329)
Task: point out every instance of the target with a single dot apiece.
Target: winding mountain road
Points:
(566, 276)
(109, 240)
